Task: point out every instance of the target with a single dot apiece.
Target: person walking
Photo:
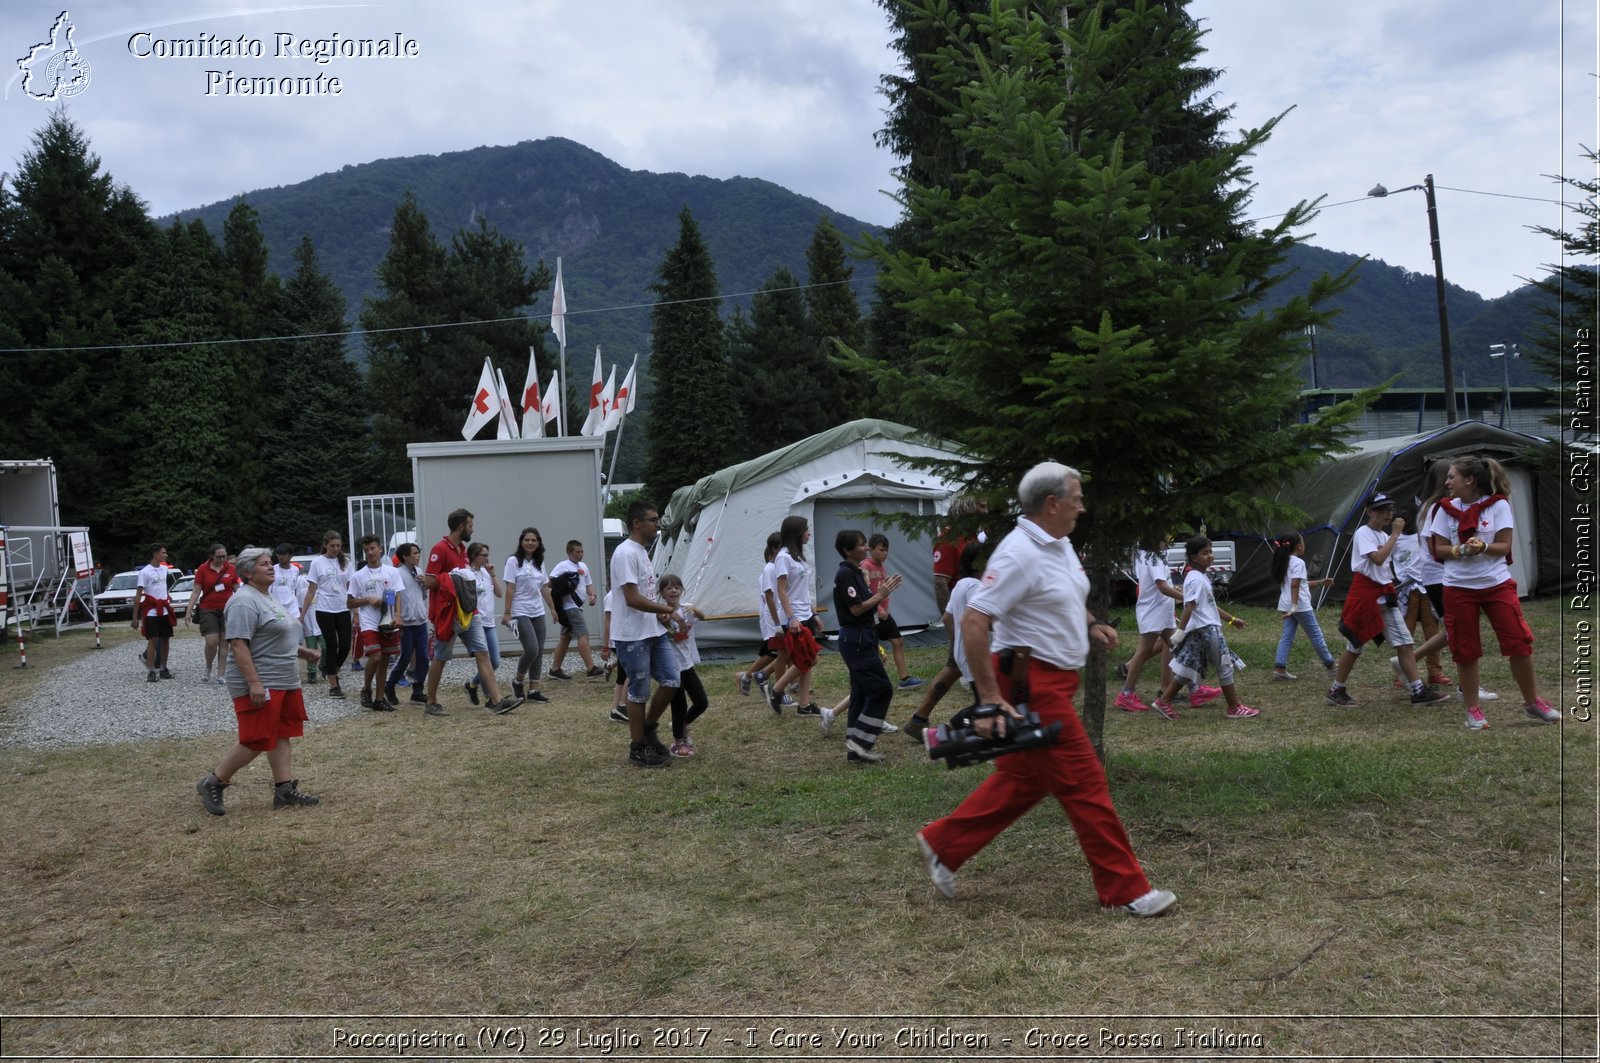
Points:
(327, 583)
(215, 581)
(856, 606)
(528, 602)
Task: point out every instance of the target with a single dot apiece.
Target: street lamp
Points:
(1426, 188)
(1505, 352)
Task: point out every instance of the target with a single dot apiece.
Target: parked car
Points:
(117, 599)
(1221, 570)
(181, 592)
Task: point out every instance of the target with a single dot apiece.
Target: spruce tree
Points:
(834, 318)
(694, 421)
(776, 350)
(1070, 303)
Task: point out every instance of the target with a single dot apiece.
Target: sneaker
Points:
(809, 709)
(827, 720)
(652, 738)
(418, 696)
(1150, 905)
(787, 699)
(763, 684)
(619, 714)
(914, 728)
(1204, 695)
(221, 682)
(744, 685)
(336, 691)
(1399, 676)
(434, 709)
(152, 677)
(210, 791)
(1487, 695)
(641, 755)
(503, 706)
(944, 880)
(776, 701)
(681, 748)
(1287, 677)
(1476, 721)
(1340, 698)
(288, 795)
(1439, 679)
(556, 673)
(537, 696)
(1128, 701)
(594, 674)
(168, 675)
(1163, 709)
(518, 689)
(1429, 696)
(856, 752)
(1242, 712)
(1541, 710)
(889, 728)
(367, 702)
(472, 691)
(911, 682)
(390, 696)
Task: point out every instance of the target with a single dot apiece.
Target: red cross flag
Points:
(625, 396)
(508, 410)
(532, 416)
(594, 424)
(550, 404)
(485, 403)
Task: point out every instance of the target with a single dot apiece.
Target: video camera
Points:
(959, 744)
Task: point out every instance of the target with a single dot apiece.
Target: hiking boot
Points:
(1163, 709)
(1128, 701)
(503, 706)
(287, 794)
(944, 880)
(652, 738)
(1429, 696)
(472, 691)
(517, 688)
(827, 720)
(744, 684)
(1476, 721)
(1150, 905)
(809, 709)
(1242, 712)
(595, 674)
(640, 755)
(1340, 698)
(911, 682)
(1203, 695)
(556, 673)
(855, 752)
(210, 791)
(434, 709)
(619, 714)
(1541, 710)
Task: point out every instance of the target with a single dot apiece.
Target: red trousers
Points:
(1069, 771)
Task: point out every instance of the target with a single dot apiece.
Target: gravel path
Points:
(103, 697)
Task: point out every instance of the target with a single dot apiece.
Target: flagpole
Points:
(612, 472)
(559, 296)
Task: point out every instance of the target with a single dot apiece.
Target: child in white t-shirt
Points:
(689, 700)
(1294, 602)
(1201, 645)
(1157, 620)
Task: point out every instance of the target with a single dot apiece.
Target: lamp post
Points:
(1505, 352)
(1426, 187)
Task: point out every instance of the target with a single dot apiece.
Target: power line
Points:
(1442, 188)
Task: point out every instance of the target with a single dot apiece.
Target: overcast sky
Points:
(1487, 96)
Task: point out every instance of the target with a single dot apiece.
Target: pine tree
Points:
(1072, 304)
(693, 425)
(777, 351)
(1572, 327)
(834, 318)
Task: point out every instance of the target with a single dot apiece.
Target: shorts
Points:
(472, 639)
(1499, 603)
(209, 621)
(642, 660)
(382, 642)
(776, 643)
(576, 626)
(887, 629)
(1395, 632)
(283, 716)
(156, 627)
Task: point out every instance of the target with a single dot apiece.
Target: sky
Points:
(1491, 98)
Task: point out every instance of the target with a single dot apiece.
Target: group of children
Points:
(1449, 562)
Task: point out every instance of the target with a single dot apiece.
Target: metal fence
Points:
(392, 518)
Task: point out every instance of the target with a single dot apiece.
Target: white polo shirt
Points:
(1035, 589)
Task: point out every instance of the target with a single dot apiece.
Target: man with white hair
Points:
(1029, 611)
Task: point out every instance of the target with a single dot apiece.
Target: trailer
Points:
(46, 568)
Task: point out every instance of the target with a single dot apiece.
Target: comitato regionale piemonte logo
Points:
(54, 69)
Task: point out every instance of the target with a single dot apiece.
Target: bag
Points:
(563, 587)
(466, 593)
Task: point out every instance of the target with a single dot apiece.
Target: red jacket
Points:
(1362, 619)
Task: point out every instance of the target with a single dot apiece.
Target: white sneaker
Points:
(889, 728)
(944, 880)
(1483, 695)
(827, 720)
(1151, 904)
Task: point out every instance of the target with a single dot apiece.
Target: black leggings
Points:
(683, 713)
(335, 629)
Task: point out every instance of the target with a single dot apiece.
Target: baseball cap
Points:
(1380, 501)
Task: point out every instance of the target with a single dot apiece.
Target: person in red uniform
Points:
(448, 554)
(1029, 609)
(214, 583)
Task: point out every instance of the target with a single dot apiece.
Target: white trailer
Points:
(44, 565)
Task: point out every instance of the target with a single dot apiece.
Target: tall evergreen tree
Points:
(1572, 325)
(693, 424)
(1072, 304)
(776, 349)
(834, 318)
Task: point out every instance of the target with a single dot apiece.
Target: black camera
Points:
(959, 744)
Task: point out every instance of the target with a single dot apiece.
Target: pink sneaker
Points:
(1541, 710)
(1476, 721)
(1164, 709)
(1128, 701)
(681, 748)
(1204, 696)
(1243, 712)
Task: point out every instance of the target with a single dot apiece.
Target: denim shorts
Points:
(472, 640)
(644, 660)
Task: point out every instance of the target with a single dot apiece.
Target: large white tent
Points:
(713, 533)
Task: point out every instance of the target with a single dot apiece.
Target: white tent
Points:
(713, 533)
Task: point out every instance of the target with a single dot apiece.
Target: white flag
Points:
(508, 410)
(606, 402)
(532, 408)
(625, 397)
(550, 402)
(485, 403)
(594, 424)
(558, 309)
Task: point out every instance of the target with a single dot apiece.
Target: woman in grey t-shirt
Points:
(264, 682)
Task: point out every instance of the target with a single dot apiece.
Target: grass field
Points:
(1374, 881)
